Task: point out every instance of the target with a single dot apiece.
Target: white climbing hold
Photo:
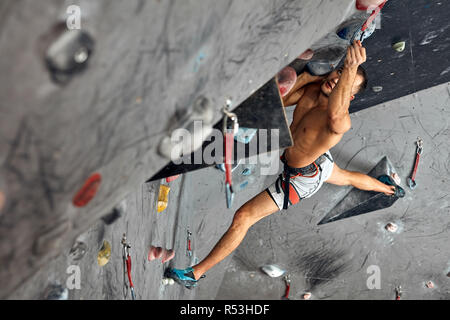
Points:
(377, 88)
(429, 284)
(273, 270)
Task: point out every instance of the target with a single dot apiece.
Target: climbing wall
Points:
(83, 114)
(425, 61)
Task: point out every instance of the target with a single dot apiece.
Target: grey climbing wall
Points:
(150, 61)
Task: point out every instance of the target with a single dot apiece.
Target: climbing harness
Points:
(287, 280)
(412, 180)
(229, 134)
(291, 173)
(127, 269)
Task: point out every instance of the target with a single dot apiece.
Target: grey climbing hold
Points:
(399, 46)
(319, 67)
(78, 251)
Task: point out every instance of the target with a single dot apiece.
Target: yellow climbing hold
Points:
(163, 197)
(104, 254)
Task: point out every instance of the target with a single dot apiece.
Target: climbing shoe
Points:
(399, 191)
(184, 277)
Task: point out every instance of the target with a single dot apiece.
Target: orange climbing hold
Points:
(163, 197)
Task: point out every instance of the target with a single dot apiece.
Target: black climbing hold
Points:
(358, 202)
(68, 54)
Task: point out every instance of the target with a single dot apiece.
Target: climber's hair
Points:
(362, 72)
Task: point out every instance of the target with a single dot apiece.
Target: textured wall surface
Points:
(150, 59)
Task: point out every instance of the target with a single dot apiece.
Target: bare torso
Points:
(310, 131)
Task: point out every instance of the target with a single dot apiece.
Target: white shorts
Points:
(303, 186)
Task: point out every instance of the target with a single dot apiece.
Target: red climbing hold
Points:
(172, 178)
(368, 4)
(286, 80)
(88, 191)
(307, 55)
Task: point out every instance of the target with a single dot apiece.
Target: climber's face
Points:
(330, 82)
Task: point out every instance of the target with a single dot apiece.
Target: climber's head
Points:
(330, 81)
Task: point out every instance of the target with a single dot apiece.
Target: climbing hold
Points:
(167, 255)
(391, 227)
(307, 296)
(57, 292)
(377, 89)
(154, 253)
(286, 80)
(163, 197)
(307, 55)
(243, 185)
(358, 202)
(198, 121)
(245, 135)
(429, 284)
(78, 251)
(104, 254)
(172, 178)
(88, 191)
(68, 54)
(247, 172)
(354, 31)
(273, 270)
(167, 281)
(116, 213)
(319, 67)
(399, 46)
(368, 4)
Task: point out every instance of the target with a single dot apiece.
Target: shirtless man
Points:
(320, 120)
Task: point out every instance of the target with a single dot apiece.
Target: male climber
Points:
(321, 118)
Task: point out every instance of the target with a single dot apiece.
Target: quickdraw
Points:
(412, 180)
(188, 245)
(229, 134)
(127, 269)
(367, 23)
(287, 280)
